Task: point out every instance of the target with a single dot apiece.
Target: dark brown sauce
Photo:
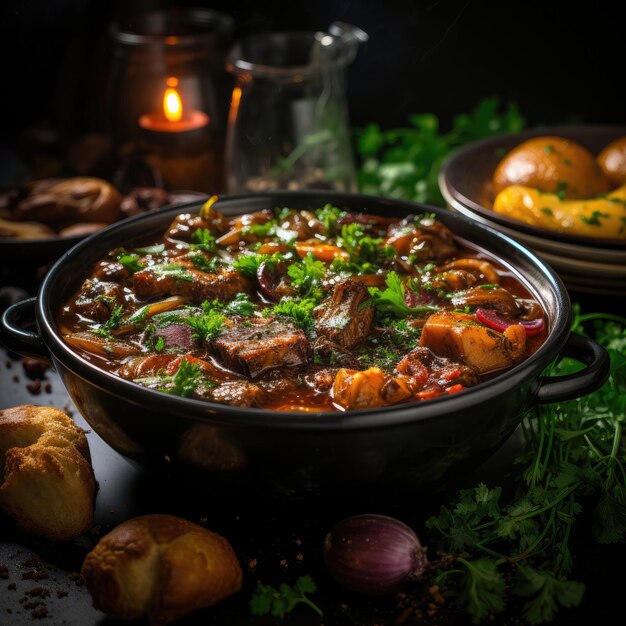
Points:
(281, 388)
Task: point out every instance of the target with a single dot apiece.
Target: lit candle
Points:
(173, 118)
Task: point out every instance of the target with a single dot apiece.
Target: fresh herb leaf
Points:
(239, 305)
(130, 262)
(594, 218)
(329, 215)
(159, 344)
(248, 264)
(176, 271)
(277, 602)
(202, 239)
(185, 381)
(115, 319)
(307, 276)
(210, 266)
(390, 301)
(300, 311)
(207, 326)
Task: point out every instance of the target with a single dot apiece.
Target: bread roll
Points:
(161, 566)
(47, 483)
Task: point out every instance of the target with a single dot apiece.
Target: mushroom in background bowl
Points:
(384, 448)
(42, 219)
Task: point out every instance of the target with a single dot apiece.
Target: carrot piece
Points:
(455, 388)
(428, 394)
(271, 247)
(321, 251)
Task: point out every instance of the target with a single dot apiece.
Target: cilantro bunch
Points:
(574, 452)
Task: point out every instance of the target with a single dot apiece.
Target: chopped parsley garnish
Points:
(131, 262)
(329, 215)
(261, 230)
(561, 189)
(300, 312)
(307, 275)
(206, 326)
(159, 344)
(239, 305)
(185, 381)
(115, 319)
(488, 286)
(548, 149)
(210, 266)
(594, 218)
(390, 301)
(202, 239)
(248, 264)
(547, 210)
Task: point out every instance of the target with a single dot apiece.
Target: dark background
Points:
(558, 63)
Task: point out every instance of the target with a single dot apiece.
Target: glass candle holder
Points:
(170, 94)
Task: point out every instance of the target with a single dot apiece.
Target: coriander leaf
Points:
(185, 381)
(159, 344)
(298, 310)
(207, 326)
(130, 262)
(115, 319)
(545, 593)
(329, 215)
(278, 602)
(211, 266)
(391, 300)
(482, 588)
(248, 264)
(202, 239)
(307, 275)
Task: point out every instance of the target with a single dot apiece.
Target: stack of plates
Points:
(586, 264)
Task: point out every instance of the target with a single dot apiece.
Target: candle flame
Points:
(172, 104)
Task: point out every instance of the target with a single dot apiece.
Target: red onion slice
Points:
(490, 318)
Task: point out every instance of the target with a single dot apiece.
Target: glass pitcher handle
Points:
(348, 32)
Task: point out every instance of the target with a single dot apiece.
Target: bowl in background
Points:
(586, 264)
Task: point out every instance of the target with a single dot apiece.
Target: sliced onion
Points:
(497, 322)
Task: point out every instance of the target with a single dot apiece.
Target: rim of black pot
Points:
(388, 416)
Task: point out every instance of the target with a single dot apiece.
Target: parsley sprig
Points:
(277, 602)
(574, 452)
(390, 301)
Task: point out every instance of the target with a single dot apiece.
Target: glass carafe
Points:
(288, 124)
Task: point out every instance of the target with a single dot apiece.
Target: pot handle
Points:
(590, 378)
(17, 338)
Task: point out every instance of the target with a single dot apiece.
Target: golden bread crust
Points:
(47, 484)
(161, 566)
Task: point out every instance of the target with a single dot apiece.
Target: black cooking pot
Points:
(392, 447)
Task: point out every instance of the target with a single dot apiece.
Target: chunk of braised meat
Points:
(423, 367)
(238, 228)
(320, 379)
(498, 299)
(199, 286)
(302, 225)
(346, 317)
(427, 240)
(98, 299)
(254, 346)
(178, 336)
(460, 337)
(237, 393)
(334, 354)
(185, 224)
(482, 270)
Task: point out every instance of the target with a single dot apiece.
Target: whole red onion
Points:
(374, 554)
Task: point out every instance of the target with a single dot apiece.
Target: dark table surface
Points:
(276, 540)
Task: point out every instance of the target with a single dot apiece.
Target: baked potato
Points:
(612, 161)
(591, 217)
(554, 165)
